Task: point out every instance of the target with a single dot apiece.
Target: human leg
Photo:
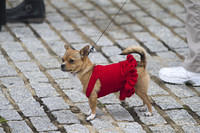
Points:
(192, 62)
(2, 13)
(28, 11)
(190, 71)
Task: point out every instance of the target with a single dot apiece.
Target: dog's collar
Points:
(91, 50)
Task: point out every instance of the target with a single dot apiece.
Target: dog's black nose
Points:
(62, 67)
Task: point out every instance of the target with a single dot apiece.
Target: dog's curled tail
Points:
(139, 50)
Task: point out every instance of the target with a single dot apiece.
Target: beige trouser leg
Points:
(192, 23)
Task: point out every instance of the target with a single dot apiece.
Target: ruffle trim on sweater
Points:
(131, 77)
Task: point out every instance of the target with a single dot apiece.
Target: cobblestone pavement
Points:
(37, 97)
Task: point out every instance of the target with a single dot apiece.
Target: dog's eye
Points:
(71, 61)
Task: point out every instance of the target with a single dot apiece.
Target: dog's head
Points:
(74, 60)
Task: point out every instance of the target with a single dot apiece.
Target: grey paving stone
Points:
(138, 14)
(181, 31)
(133, 28)
(58, 74)
(4, 104)
(155, 46)
(23, 32)
(5, 36)
(76, 128)
(98, 58)
(193, 103)
(49, 62)
(89, 30)
(36, 76)
(19, 94)
(51, 132)
(76, 95)
(151, 120)
(95, 14)
(27, 66)
(123, 19)
(169, 56)
(117, 58)
(181, 117)
(12, 82)
(103, 41)
(7, 71)
(110, 10)
(55, 17)
(85, 108)
(172, 22)
(144, 36)
(148, 21)
(55, 103)
(181, 90)
(119, 113)
(61, 25)
(131, 127)
(127, 42)
(104, 3)
(72, 37)
(154, 64)
(66, 117)
(183, 51)
(166, 102)
(57, 46)
(72, 83)
(109, 99)
(134, 101)
(42, 123)
(45, 32)
(11, 46)
(31, 108)
(104, 126)
(44, 90)
(82, 20)
(19, 56)
(10, 115)
(174, 42)
(3, 61)
(84, 5)
(162, 129)
(72, 13)
(191, 128)
(17, 126)
(111, 51)
(155, 89)
(118, 34)
(131, 7)
(60, 4)
(103, 23)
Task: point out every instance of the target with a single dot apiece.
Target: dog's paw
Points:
(91, 117)
(148, 114)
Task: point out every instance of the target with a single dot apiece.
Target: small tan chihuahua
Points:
(77, 62)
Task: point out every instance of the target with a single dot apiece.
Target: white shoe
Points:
(178, 75)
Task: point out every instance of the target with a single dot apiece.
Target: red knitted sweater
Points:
(120, 76)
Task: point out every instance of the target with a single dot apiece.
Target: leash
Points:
(112, 19)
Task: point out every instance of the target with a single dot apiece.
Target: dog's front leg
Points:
(93, 104)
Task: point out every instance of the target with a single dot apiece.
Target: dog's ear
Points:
(85, 51)
(67, 47)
